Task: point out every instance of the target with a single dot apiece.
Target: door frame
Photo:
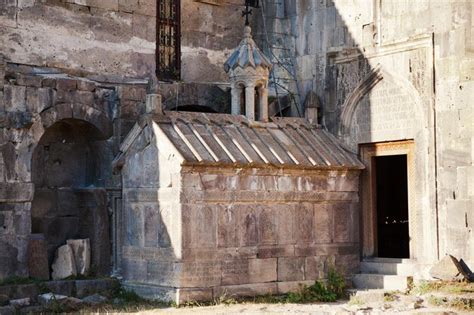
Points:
(368, 192)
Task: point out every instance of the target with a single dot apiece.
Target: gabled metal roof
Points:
(203, 138)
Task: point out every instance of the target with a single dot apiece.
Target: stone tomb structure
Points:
(218, 203)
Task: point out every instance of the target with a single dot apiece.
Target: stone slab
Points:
(82, 255)
(38, 266)
(262, 270)
(291, 268)
(64, 264)
(448, 269)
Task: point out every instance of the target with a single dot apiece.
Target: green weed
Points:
(355, 300)
(330, 291)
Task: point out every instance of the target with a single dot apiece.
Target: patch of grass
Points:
(355, 300)
(390, 296)
(330, 291)
(224, 299)
(269, 299)
(463, 304)
(425, 287)
(436, 301)
(126, 301)
(15, 280)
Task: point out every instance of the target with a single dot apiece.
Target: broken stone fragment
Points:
(82, 255)
(448, 269)
(64, 264)
(20, 302)
(48, 298)
(57, 300)
(94, 299)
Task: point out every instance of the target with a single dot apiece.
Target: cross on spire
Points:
(247, 12)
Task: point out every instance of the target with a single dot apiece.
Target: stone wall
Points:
(36, 100)
(395, 70)
(219, 230)
(117, 37)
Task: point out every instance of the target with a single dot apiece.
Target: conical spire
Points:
(247, 54)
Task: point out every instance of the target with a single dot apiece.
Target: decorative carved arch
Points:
(375, 77)
(352, 101)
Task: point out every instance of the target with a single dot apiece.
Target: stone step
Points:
(384, 268)
(377, 281)
(390, 260)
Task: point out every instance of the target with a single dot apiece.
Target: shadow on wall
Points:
(70, 201)
(367, 95)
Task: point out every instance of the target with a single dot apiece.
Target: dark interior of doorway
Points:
(392, 206)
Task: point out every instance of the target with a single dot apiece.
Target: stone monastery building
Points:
(200, 156)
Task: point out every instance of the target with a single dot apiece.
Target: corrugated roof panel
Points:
(178, 142)
(318, 136)
(257, 144)
(292, 146)
(304, 146)
(242, 144)
(227, 139)
(226, 143)
(193, 143)
(308, 137)
(276, 146)
(350, 157)
(213, 146)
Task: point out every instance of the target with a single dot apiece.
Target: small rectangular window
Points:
(168, 41)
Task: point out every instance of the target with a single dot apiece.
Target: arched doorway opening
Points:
(70, 201)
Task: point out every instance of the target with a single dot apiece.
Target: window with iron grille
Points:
(168, 44)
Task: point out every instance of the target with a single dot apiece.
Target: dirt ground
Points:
(370, 302)
(329, 309)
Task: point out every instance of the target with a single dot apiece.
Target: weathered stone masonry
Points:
(201, 220)
(58, 137)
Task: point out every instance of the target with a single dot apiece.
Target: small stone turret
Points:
(248, 70)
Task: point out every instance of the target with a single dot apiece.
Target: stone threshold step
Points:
(384, 268)
(378, 281)
(389, 260)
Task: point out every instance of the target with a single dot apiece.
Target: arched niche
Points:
(70, 201)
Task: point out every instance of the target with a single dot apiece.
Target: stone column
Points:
(235, 92)
(263, 101)
(250, 101)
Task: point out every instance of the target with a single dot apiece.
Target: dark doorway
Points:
(392, 206)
